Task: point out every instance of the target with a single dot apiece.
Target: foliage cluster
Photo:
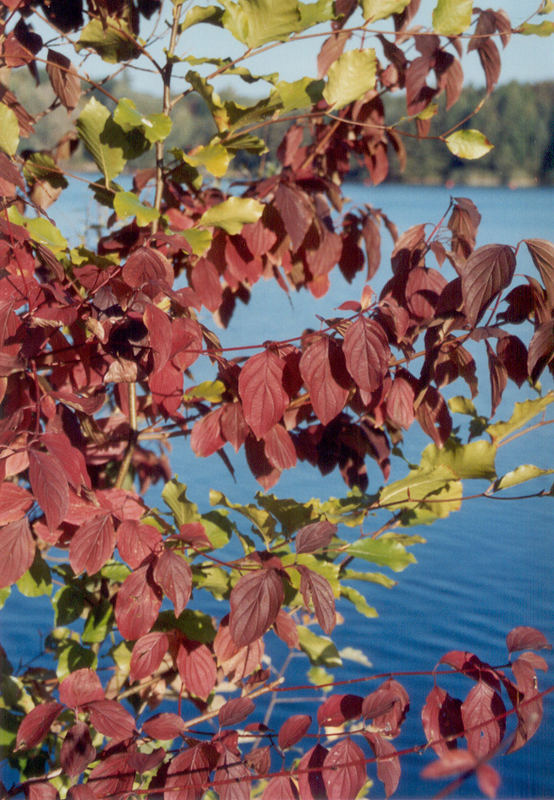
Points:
(95, 379)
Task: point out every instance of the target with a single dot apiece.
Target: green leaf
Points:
(384, 552)
(263, 522)
(358, 600)
(547, 7)
(469, 144)
(111, 38)
(9, 723)
(462, 405)
(316, 13)
(99, 623)
(438, 504)
(101, 140)
(127, 204)
(291, 514)
(218, 527)
(155, 127)
(4, 594)
(9, 130)
(299, 94)
(350, 77)
(212, 391)
(72, 656)
(195, 624)
(232, 214)
(174, 494)
(210, 14)
(213, 579)
(41, 230)
(115, 571)
(320, 677)
(37, 580)
(42, 167)
(451, 17)
(246, 142)
(523, 413)
(379, 9)
(320, 649)
(324, 568)
(69, 603)
(416, 487)
(200, 241)
(545, 28)
(369, 577)
(473, 460)
(355, 655)
(214, 157)
(521, 474)
(256, 22)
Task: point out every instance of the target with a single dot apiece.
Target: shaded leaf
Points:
(137, 604)
(323, 370)
(316, 590)
(93, 544)
(388, 763)
(64, 79)
(110, 718)
(235, 711)
(164, 726)
(93, 130)
(49, 485)
(315, 536)
(338, 709)
(488, 270)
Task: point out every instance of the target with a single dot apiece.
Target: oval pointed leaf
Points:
(338, 709)
(350, 77)
(317, 590)
(17, 551)
(293, 729)
(255, 602)
(49, 485)
(488, 270)
(315, 536)
(36, 724)
(137, 605)
(232, 214)
(77, 750)
(173, 574)
(322, 372)
(526, 638)
(136, 541)
(388, 763)
(235, 711)
(483, 716)
(367, 353)
(468, 144)
(344, 771)
(14, 502)
(451, 17)
(110, 718)
(261, 391)
(92, 545)
(197, 669)
(147, 655)
(164, 726)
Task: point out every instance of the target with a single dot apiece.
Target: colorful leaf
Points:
(173, 574)
(344, 770)
(261, 391)
(49, 485)
(255, 602)
(350, 77)
(36, 724)
(323, 370)
(17, 551)
(293, 729)
(148, 653)
(137, 604)
(468, 143)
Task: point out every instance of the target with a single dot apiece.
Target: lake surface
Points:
(484, 570)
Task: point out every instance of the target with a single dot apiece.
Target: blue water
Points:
(484, 570)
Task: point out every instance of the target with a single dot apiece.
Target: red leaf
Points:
(259, 759)
(81, 792)
(64, 79)
(323, 371)
(315, 536)
(148, 653)
(367, 353)
(77, 750)
(145, 266)
(159, 327)
(344, 770)
(453, 763)
(513, 354)
(194, 533)
(526, 638)
(110, 718)
(206, 284)
(338, 709)
(423, 289)
(92, 545)
(186, 342)
(293, 729)
(441, 718)
(331, 49)
(17, 551)
(483, 723)
(49, 485)
(164, 726)
(542, 253)
(498, 378)
(206, 435)
(434, 417)
(41, 791)
(166, 386)
(487, 271)
(81, 687)
(137, 604)
(72, 460)
(285, 628)
(113, 777)
(541, 349)
(255, 601)
(296, 212)
(488, 780)
(14, 502)
(233, 425)
(188, 774)
(264, 472)
(310, 775)
(279, 448)
(400, 400)
(529, 711)
(197, 669)
(173, 574)
(136, 541)
(280, 788)
(261, 391)
(235, 711)
(391, 693)
(317, 590)
(388, 763)
(36, 724)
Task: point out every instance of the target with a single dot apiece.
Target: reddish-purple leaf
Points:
(391, 693)
(113, 777)
(441, 718)
(17, 551)
(388, 763)
(264, 472)
(344, 770)
(487, 271)
(434, 417)
(315, 536)
(93, 544)
(81, 792)
(338, 709)
(293, 729)
(261, 391)
(81, 687)
(255, 601)
(41, 791)
(205, 282)
(166, 386)
(145, 762)
(49, 485)
(197, 669)
(296, 211)
(400, 400)
(323, 371)
(526, 638)
(136, 541)
(110, 718)
(206, 435)
(72, 459)
(498, 378)
(188, 774)
(331, 49)
(310, 775)
(453, 763)
(159, 327)
(484, 723)
(186, 342)
(145, 266)
(14, 502)
(542, 253)
(77, 750)
(488, 780)
(259, 759)
(279, 448)
(173, 574)
(367, 353)
(513, 354)
(164, 726)
(233, 425)
(529, 709)
(317, 590)
(64, 79)
(148, 653)
(235, 711)
(36, 724)
(137, 604)
(280, 788)
(541, 349)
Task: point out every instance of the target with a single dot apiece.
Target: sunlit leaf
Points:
(127, 204)
(358, 601)
(9, 130)
(545, 28)
(380, 9)
(232, 214)
(214, 157)
(320, 649)
(93, 129)
(469, 144)
(523, 413)
(384, 552)
(521, 474)
(473, 460)
(299, 94)
(255, 22)
(350, 77)
(451, 17)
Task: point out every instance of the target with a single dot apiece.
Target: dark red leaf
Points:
(173, 574)
(186, 342)
(296, 212)
(231, 779)
(188, 774)
(194, 533)
(293, 729)
(81, 792)
(72, 460)
(338, 709)
(310, 775)
(145, 762)
(148, 653)
(490, 61)
(166, 386)
(441, 718)
(388, 763)
(259, 759)
(541, 349)
(434, 417)
(36, 724)
(315, 536)
(331, 49)
(423, 288)
(113, 777)
(17, 551)
(279, 448)
(77, 750)
(261, 391)
(264, 472)
(418, 94)
(323, 371)
(487, 271)
(164, 726)
(484, 724)
(526, 638)
(400, 400)
(280, 788)
(255, 601)
(498, 378)
(317, 590)
(367, 353)
(513, 354)
(235, 711)
(137, 604)
(197, 669)
(64, 79)
(92, 545)
(344, 770)
(206, 284)
(110, 718)
(145, 266)
(136, 541)
(387, 706)
(526, 701)
(81, 687)
(160, 329)
(49, 485)
(542, 253)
